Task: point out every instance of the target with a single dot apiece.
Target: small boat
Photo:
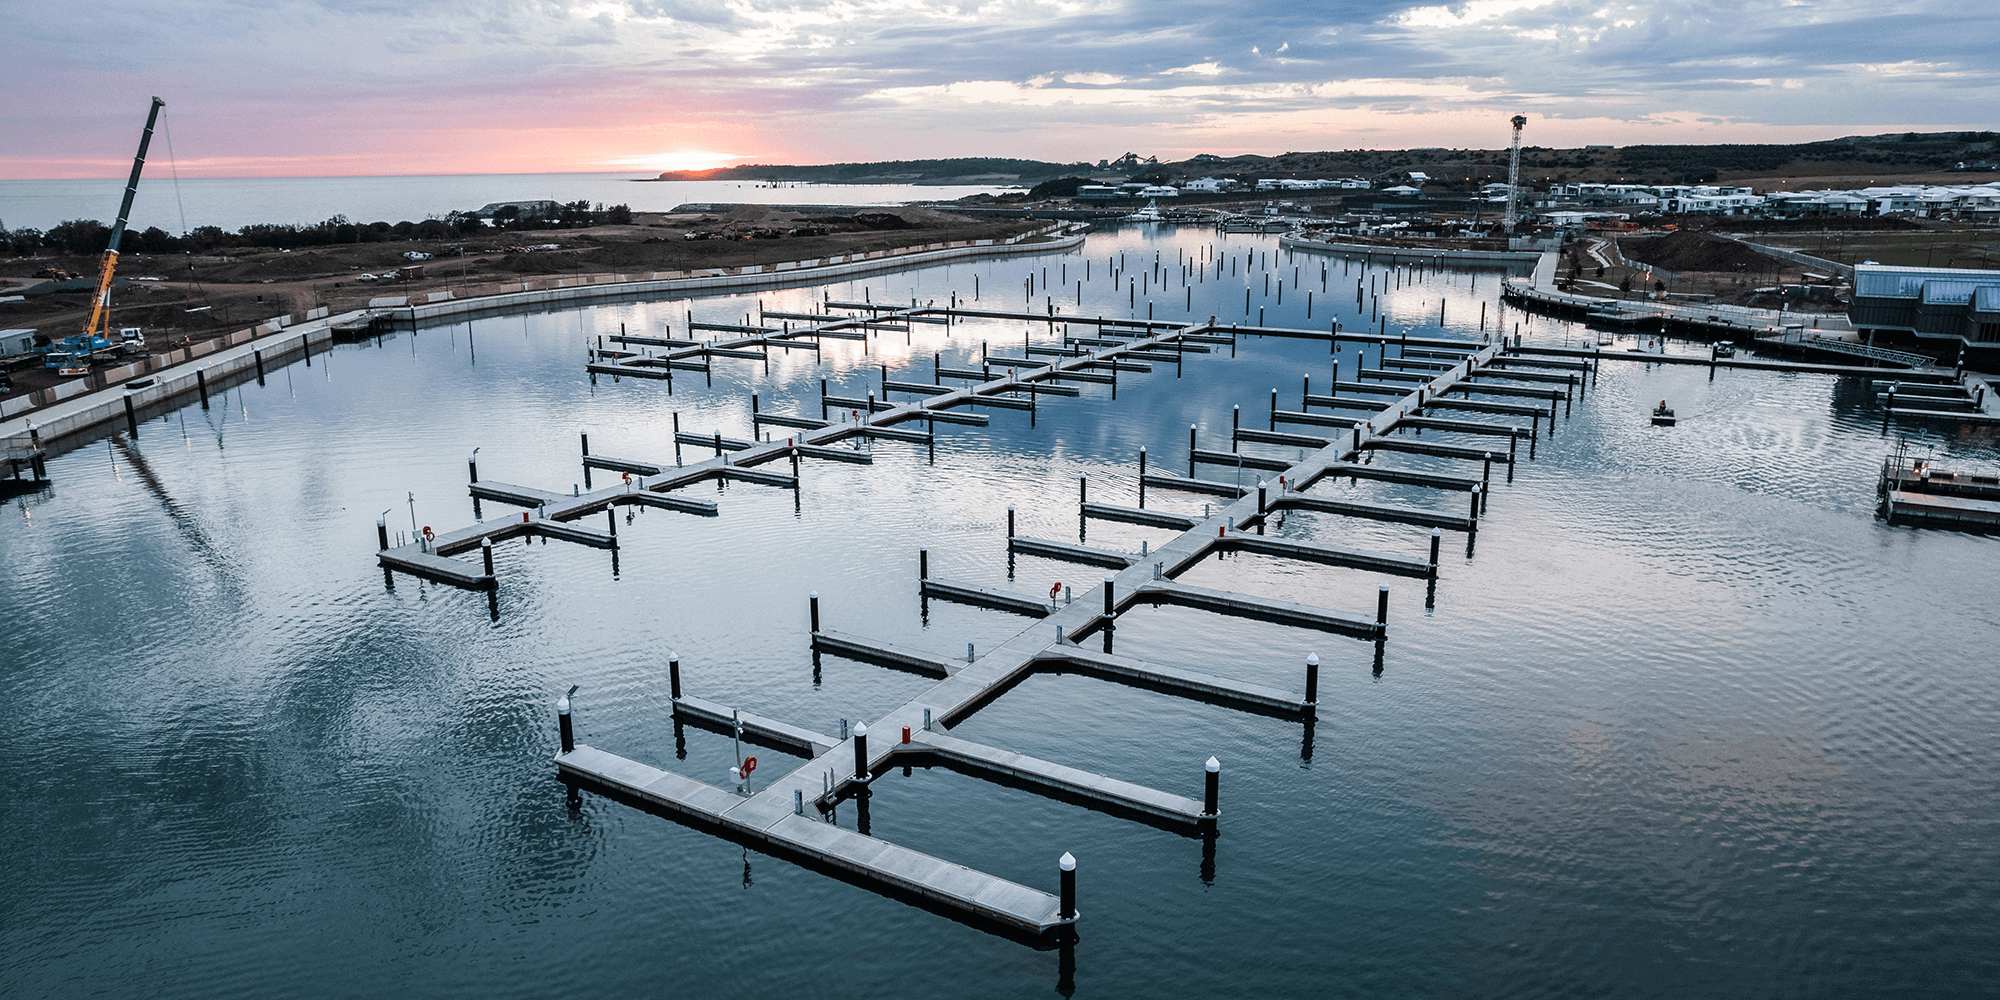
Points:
(1151, 213)
(1725, 350)
(75, 370)
(1663, 416)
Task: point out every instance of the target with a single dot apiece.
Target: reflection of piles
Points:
(778, 817)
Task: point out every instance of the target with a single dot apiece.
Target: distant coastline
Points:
(778, 182)
(231, 203)
(971, 171)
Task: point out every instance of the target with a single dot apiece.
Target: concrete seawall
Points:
(1393, 255)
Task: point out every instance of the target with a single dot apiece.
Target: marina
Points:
(1557, 646)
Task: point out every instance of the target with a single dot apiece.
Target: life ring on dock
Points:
(749, 765)
(628, 479)
(1055, 591)
(428, 536)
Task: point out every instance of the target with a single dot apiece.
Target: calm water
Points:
(235, 202)
(1689, 721)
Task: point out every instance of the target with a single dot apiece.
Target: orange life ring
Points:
(427, 533)
(749, 765)
(1055, 590)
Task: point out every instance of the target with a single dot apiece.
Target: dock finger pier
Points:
(1501, 401)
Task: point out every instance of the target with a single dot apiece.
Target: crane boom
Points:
(100, 307)
(1514, 173)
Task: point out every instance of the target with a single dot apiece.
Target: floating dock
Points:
(787, 814)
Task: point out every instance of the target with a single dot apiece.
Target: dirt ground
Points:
(1684, 251)
(201, 297)
(1855, 178)
(1928, 247)
(1697, 267)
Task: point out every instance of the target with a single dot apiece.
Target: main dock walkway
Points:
(788, 814)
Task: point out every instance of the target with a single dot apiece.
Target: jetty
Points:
(1916, 493)
(789, 814)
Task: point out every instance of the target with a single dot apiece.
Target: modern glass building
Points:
(1932, 304)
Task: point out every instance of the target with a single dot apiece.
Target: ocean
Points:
(234, 202)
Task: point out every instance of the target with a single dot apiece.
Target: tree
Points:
(156, 240)
(1061, 187)
(1625, 283)
(79, 236)
(24, 241)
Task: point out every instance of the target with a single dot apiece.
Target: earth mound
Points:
(1686, 251)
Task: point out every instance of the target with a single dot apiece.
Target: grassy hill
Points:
(1853, 156)
(963, 170)
(1860, 157)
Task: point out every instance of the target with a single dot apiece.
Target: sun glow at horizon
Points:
(685, 159)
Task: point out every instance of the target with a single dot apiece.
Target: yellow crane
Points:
(100, 306)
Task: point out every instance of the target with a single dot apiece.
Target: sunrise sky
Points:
(343, 87)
